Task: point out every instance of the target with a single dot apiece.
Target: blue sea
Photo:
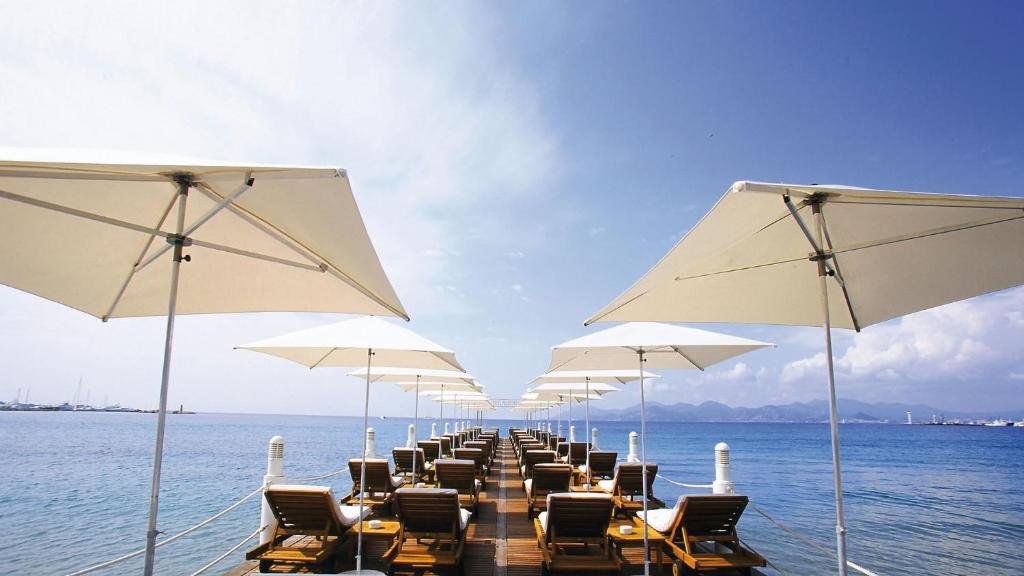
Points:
(919, 499)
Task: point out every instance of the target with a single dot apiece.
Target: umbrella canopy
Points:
(393, 374)
(663, 346)
(552, 396)
(429, 387)
(829, 256)
(648, 344)
(749, 259)
(347, 343)
(592, 376)
(260, 238)
(598, 388)
(109, 238)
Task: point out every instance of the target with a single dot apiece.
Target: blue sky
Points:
(519, 165)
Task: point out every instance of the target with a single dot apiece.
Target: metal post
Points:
(362, 465)
(275, 475)
(415, 424)
(832, 411)
(588, 428)
(161, 421)
(643, 457)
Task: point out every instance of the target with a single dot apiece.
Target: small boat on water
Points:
(999, 422)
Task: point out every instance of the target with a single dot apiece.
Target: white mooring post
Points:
(410, 441)
(593, 439)
(446, 428)
(633, 446)
(275, 475)
(371, 443)
(723, 476)
(572, 433)
(433, 429)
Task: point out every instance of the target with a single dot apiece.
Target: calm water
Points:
(920, 499)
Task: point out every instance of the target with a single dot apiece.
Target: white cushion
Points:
(583, 468)
(349, 515)
(397, 481)
(528, 484)
(464, 517)
(522, 470)
(543, 517)
(606, 485)
(476, 483)
(660, 520)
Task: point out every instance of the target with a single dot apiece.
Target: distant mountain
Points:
(815, 411)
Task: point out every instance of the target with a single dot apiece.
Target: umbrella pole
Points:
(362, 466)
(415, 429)
(643, 458)
(588, 438)
(161, 421)
(837, 479)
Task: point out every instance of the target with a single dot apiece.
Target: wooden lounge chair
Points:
(547, 479)
(695, 525)
(459, 475)
(554, 441)
(403, 458)
(380, 484)
(431, 449)
(484, 445)
(531, 458)
(602, 465)
(433, 530)
(479, 458)
(577, 451)
(446, 445)
(573, 533)
(306, 511)
(626, 487)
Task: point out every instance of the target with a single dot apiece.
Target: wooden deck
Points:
(501, 539)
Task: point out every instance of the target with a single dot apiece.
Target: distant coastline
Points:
(66, 407)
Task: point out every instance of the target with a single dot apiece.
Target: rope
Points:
(335, 473)
(229, 552)
(671, 481)
(167, 540)
(810, 543)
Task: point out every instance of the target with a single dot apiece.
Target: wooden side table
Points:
(655, 539)
(388, 529)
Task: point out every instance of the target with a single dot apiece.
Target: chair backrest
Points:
(378, 474)
(446, 445)
(480, 444)
(431, 449)
(553, 441)
(476, 455)
(562, 449)
(533, 457)
(578, 515)
(602, 463)
(629, 479)
(305, 509)
(459, 475)
(403, 458)
(453, 439)
(433, 510)
(709, 516)
(551, 477)
(579, 453)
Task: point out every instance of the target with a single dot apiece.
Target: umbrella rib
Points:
(81, 214)
(135, 267)
(110, 177)
(679, 351)
(927, 233)
(300, 248)
(329, 352)
(839, 274)
(256, 255)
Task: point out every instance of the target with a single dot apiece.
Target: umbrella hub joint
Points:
(179, 242)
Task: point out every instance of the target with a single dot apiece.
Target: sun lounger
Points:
(479, 458)
(602, 465)
(696, 524)
(446, 445)
(547, 479)
(403, 458)
(433, 529)
(484, 445)
(431, 449)
(572, 533)
(626, 487)
(459, 475)
(380, 484)
(533, 457)
(306, 511)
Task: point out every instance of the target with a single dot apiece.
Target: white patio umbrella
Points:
(457, 399)
(109, 239)
(350, 342)
(587, 388)
(651, 344)
(395, 374)
(769, 253)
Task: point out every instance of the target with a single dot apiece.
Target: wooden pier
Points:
(501, 540)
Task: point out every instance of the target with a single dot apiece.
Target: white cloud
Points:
(597, 230)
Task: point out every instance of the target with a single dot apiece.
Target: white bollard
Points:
(549, 427)
(410, 442)
(559, 429)
(723, 475)
(572, 433)
(371, 443)
(593, 439)
(446, 428)
(634, 443)
(275, 475)
(433, 429)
